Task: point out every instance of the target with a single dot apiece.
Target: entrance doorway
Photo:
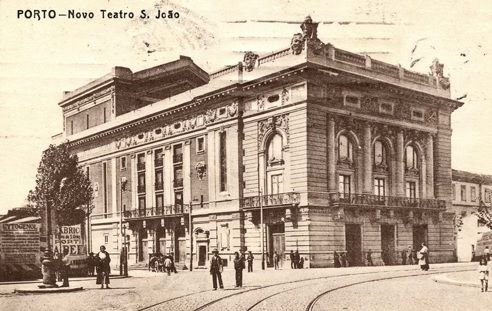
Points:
(353, 244)
(143, 249)
(419, 236)
(388, 244)
(276, 241)
(179, 244)
(161, 240)
(202, 255)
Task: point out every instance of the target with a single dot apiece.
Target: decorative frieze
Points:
(276, 122)
(179, 127)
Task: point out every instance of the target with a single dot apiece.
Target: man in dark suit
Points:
(216, 269)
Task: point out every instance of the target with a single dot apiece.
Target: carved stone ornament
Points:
(260, 102)
(285, 96)
(431, 116)
(201, 169)
(211, 115)
(370, 104)
(309, 29)
(437, 71)
(296, 44)
(383, 130)
(275, 122)
(349, 124)
(249, 61)
(232, 109)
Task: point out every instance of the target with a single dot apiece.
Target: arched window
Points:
(411, 158)
(379, 153)
(345, 149)
(275, 153)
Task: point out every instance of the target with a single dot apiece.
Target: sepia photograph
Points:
(245, 155)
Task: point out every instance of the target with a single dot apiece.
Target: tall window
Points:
(473, 194)
(379, 153)
(104, 115)
(123, 163)
(223, 161)
(71, 127)
(275, 155)
(488, 196)
(178, 153)
(411, 158)
(141, 203)
(411, 189)
(159, 200)
(158, 157)
(345, 149)
(379, 187)
(277, 184)
(463, 193)
(141, 162)
(141, 182)
(159, 180)
(87, 120)
(105, 187)
(178, 176)
(454, 191)
(344, 186)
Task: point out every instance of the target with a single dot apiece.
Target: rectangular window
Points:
(178, 176)
(417, 114)
(71, 127)
(105, 188)
(178, 153)
(277, 184)
(141, 162)
(473, 194)
(488, 196)
(87, 120)
(386, 108)
(87, 171)
(159, 200)
(141, 203)
(178, 202)
(223, 161)
(351, 100)
(123, 163)
(344, 186)
(200, 144)
(379, 187)
(454, 192)
(141, 183)
(106, 238)
(159, 183)
(463, 193)
(158, 157)
(411, 189)
(104, 115)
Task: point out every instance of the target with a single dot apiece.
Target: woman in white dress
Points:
(424, 257)
(483, 272)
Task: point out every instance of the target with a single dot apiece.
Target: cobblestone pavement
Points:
(192, 290)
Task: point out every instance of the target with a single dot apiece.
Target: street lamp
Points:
(124, 253)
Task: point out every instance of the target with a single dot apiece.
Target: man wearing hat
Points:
(216, 269)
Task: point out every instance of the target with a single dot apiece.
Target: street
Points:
(357, 288)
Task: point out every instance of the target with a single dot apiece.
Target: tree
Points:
(484, 214)
(63, 186)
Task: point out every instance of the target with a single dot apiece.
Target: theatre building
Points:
(341, 152)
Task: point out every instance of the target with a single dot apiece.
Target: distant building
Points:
(343, 152)
(469, 191)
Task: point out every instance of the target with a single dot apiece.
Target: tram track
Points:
(315, 279)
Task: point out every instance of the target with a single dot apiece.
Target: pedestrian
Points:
(424, 258)
(336, 259)
(238, 266)
(404, 256)
(173, 266)
(486, 253)
(168, 265)
(216, 269)
(103, 268)
(275, 260)
(292, 260)
(57, 263)
(343, 259)
(250, 261)
(410, 255)
(65, 267)
(297, 258)
(483, 272)
(369, 258)
(90, 264)
(301, 263)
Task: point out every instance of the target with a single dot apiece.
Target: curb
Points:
(76, 279)
(444, 279)
(48, 290)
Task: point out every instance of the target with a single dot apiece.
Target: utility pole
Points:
(190, 226)
(262, 245)
(122, 232)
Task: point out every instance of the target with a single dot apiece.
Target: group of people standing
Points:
(341, 260)
(162, 263)
(296, 261)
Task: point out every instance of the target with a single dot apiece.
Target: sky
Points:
(39, 59)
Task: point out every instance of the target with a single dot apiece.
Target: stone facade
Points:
(329, 150)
